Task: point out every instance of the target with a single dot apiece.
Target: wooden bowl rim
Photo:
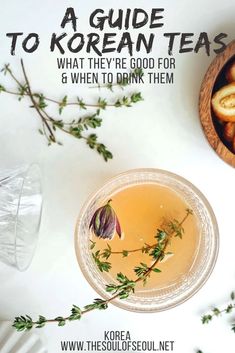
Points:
(205, 104)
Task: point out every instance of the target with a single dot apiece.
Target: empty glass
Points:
(20, 215)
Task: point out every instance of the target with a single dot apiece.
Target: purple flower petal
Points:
(93, 219)
(108, 231)
(104, 222)
(118, 228)
(103, 215)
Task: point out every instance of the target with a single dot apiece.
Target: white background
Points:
(163, 132)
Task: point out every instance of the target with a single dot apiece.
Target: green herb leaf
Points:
(81, 103)
(125, 253)
(103, 266)
(76, 313)
(99, 304)
(2, 89)
(156, 270)
(206, 319)
(93, 244)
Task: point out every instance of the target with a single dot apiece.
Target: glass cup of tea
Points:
(145, 200)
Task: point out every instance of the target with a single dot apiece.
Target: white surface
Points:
(163, 132)
(14, 342)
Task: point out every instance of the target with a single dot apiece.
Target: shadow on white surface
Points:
(12, 341)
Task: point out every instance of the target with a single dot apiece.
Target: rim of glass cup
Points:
(123, 304)
(26, 170)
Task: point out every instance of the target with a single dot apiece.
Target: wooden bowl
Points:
(212, 82)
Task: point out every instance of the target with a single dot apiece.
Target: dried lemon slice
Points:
(230, 73)
(223, 103)
(229, 132)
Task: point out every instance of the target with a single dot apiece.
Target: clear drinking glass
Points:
(20, 215)
(163, 298)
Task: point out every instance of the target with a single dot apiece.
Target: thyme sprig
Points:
(216, 312)
(173, 226)
(125, 287)
(77, 127)
(122, 289)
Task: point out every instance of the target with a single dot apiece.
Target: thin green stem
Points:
(51, 136)
(215, 312)
(143, 248)
(35, 95)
